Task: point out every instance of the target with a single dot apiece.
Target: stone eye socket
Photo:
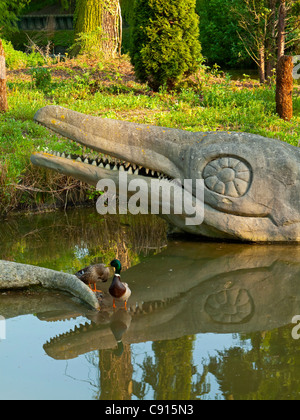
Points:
(227, 176)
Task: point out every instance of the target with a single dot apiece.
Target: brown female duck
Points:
(93, 274)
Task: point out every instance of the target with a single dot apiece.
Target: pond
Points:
(206, 320)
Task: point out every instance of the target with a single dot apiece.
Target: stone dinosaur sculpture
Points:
(252, 183)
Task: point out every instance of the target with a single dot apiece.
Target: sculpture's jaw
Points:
(125, 144)
(92, 170)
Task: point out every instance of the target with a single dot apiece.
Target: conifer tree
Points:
(165, 45)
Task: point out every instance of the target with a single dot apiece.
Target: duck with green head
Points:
(119, 290)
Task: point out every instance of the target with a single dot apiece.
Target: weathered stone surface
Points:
(252, 183)
(16, 276)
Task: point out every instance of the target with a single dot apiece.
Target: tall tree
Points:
(9, 10)
(265, 26)
(254, 20)
(288, 25)
(165, 41)
(3, 93)
(98, 27)
(282, 14)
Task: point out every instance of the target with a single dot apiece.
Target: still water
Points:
(205, 320)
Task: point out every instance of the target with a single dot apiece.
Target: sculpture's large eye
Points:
(227, 176)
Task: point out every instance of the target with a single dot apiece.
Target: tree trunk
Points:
(281, 28)
(112, 28)
(262, 65)
(270, 66)
(3, 93)
(271, 41)
(284, 88)
(98, 27)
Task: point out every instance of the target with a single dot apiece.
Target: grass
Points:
(209, 102)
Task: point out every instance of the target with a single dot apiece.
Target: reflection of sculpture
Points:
(232, 306)
(252, 183)
(226, 289)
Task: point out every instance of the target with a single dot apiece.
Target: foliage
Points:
(127, 11)
(17, 59)
(234, 32)
(36, 5)
(61, 40)
(165, 41)
(88, 26)
(266, 31)
(265, 366)
(218, 34)
(171, 373)
(41, 78)
(9, 10)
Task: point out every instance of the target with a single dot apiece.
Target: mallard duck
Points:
(119, 290)
(93, 274)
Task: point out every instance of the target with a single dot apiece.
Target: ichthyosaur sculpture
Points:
(251, 183)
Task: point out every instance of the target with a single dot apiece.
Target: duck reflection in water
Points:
(119, 324)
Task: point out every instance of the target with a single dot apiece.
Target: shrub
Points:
(165, 41)
(17, 59)
(219, 34)
(41, 78)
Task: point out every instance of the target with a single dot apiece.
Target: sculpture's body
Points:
(252, 183)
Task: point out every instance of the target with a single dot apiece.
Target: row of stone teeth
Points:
(113, 165)
(140, 308)
(148, 307)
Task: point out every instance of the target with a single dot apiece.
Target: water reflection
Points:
(69, 241)
(180, 294)
(188, 289)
